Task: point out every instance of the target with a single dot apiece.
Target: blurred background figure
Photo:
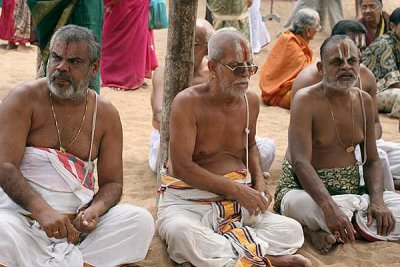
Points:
(49, 16)
(128, 54)
(289, 55)
(375, 20)
(382, 57)
(332, 8)
(258, 31)
(231, 13)
(15, 24)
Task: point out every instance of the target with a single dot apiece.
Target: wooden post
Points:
(178, 65)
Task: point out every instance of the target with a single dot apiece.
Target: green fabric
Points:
(50, 15)
(233, 8)
(382, 57)
(338, 181)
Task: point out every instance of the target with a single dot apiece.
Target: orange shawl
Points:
(289, 55)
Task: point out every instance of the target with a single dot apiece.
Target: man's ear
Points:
(94, 68)
(212, 67)
(320, 67)
(392, 26)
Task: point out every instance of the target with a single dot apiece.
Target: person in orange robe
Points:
(289, 55)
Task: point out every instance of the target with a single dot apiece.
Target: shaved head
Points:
(204, 30)
(220, 39)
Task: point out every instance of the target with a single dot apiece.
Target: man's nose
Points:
(63, 65)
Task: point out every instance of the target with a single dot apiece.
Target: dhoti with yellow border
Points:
(207, 229)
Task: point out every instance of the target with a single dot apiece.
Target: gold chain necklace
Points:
(62, 148)
(350, 148)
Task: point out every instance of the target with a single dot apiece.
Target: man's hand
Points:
(86, 220)
(57, 225)
(384, 219)
(262, 187)
(338, 223)
(251, 199)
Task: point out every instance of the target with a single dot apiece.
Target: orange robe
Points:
(289, 55)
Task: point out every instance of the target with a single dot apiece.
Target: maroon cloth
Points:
(7, 22)
(128, 53)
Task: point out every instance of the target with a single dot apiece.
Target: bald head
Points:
(204, 30)
(221, 38)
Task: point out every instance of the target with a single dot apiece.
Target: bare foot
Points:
(321, 240)
(24, 48)
(290, 261)
(396, 184)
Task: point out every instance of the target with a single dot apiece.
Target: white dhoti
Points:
(266, 147)
(389, 155)
(258, 31)
(66, 183)
(299, 205)
(192, 231)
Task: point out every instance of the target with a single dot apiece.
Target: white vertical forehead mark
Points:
(348, 50)
(340, 51)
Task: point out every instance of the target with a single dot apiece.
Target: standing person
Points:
(258, 31)
(49, 16)
(128, 54)
(374, 19)
(320, 182)
(15, 24)
(382, 57)
(289, 55)
(231, 13)
(204, 209)
(50, 214)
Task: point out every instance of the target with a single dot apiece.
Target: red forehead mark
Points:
(245, 50)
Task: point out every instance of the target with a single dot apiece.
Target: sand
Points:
(134, 108)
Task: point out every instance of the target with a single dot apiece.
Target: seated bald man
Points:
(54, 129)
(214, 207)
(201, 74)
(389, 152)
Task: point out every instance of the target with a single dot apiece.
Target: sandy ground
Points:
(135, 111)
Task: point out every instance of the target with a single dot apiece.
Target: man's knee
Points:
(178, 230)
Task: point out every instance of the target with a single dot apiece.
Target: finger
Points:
(379, 224)
(343, 234)
(62, 231)
(392, 223)
(70, 231)
(350, 233)
(369, 216)
(78, 221)
(385, 225)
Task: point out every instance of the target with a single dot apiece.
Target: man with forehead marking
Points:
(214, 201)
(389, 152)
(320, 182)
(50, 214)
(201, 74)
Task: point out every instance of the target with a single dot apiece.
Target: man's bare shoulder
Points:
(307, 77)
(192, 93)
(106, 108)
(31, 93)
(368, 80)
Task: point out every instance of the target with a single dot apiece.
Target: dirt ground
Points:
(135, 112)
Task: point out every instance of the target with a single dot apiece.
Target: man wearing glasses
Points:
(213, 207)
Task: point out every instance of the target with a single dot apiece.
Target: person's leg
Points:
(299, 205)
(123, 235)
(189, 235)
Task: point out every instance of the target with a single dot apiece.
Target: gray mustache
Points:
(62, 75)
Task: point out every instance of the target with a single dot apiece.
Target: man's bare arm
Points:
(300, 147)
(157, 96)
(374, 179)
(15, 116)
(182, 141)
(369, 85)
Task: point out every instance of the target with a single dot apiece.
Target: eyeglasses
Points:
(241, 70)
